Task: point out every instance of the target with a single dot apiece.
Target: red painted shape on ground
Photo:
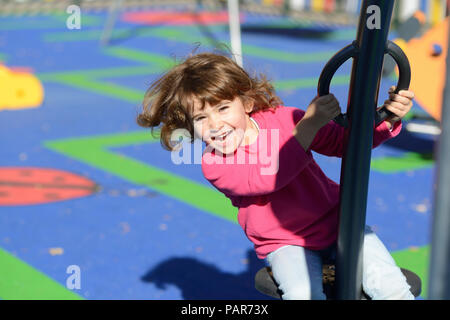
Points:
(29, 185)
(178, 18)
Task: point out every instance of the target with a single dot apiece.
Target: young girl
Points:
(258, 153)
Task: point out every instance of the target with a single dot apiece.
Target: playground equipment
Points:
(265, 283)
(110, 21)
(427, 55)
(323, 12)
(439, 272)
(434, 10)
(368, 53)
(235, 30)
(427, 51)
(329, 12)
(344, 12)
(426, 45)
(233, 19)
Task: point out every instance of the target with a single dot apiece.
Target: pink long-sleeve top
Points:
(286, 200)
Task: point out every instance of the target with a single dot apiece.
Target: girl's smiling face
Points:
(226, 125)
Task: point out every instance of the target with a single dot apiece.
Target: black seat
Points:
(265, 283)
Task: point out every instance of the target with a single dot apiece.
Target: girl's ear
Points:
(248, 105)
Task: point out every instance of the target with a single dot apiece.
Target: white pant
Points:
(298, 272)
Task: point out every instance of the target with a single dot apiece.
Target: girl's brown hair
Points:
(208, 77)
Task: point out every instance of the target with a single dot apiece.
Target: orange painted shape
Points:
(428, 71)
(29, 185)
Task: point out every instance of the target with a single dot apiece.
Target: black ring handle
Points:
(328, 72)
(404, 78)
(351, 51)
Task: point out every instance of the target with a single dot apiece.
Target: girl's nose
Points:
(215, 123)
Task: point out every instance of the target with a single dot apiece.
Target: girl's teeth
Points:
(221, 138)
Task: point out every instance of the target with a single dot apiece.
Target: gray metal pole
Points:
(110, 22)
(235, 31)
(439, 272)
(371, 41)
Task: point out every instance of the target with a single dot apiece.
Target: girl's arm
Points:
(329, 140)
(250, 179)
(305, 131)
(312, 123)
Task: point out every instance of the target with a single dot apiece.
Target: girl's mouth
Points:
(222, 137)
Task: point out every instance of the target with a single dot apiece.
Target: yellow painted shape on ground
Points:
(19, 90)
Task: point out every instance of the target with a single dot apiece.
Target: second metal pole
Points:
(371, 41)
(439, 273)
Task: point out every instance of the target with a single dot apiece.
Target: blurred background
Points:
(91, 205)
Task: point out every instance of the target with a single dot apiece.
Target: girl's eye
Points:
(223, 108)
(199, 118)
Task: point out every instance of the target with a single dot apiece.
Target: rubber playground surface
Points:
(82, 186)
